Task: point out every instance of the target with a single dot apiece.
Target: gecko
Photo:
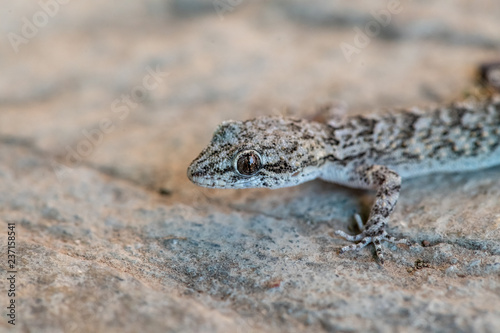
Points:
(374, 152)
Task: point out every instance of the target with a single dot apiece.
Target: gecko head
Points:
(267, 152)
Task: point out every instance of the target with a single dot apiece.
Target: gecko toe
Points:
(365, 239)
(359, 222)
(349, 237)
(394, 240)
(377, 242)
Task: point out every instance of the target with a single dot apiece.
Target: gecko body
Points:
(367, 152)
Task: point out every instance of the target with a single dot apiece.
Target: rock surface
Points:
(112, 237)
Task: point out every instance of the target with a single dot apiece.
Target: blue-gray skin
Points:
(361, 152)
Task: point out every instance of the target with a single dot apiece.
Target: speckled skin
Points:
(369, 152)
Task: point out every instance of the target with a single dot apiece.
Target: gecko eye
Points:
(247, 162)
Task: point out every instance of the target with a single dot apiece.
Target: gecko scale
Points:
(367, 152)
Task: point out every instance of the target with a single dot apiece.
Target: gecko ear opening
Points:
(247, 162)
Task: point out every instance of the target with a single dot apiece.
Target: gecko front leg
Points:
(387, 183)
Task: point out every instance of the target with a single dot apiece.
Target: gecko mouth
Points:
(207, 181)
(196, 178)
(204, 181)
(218, 183)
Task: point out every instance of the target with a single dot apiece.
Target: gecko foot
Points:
(364, 239)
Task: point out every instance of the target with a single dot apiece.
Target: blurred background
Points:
(103, 105)
(67, 66)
